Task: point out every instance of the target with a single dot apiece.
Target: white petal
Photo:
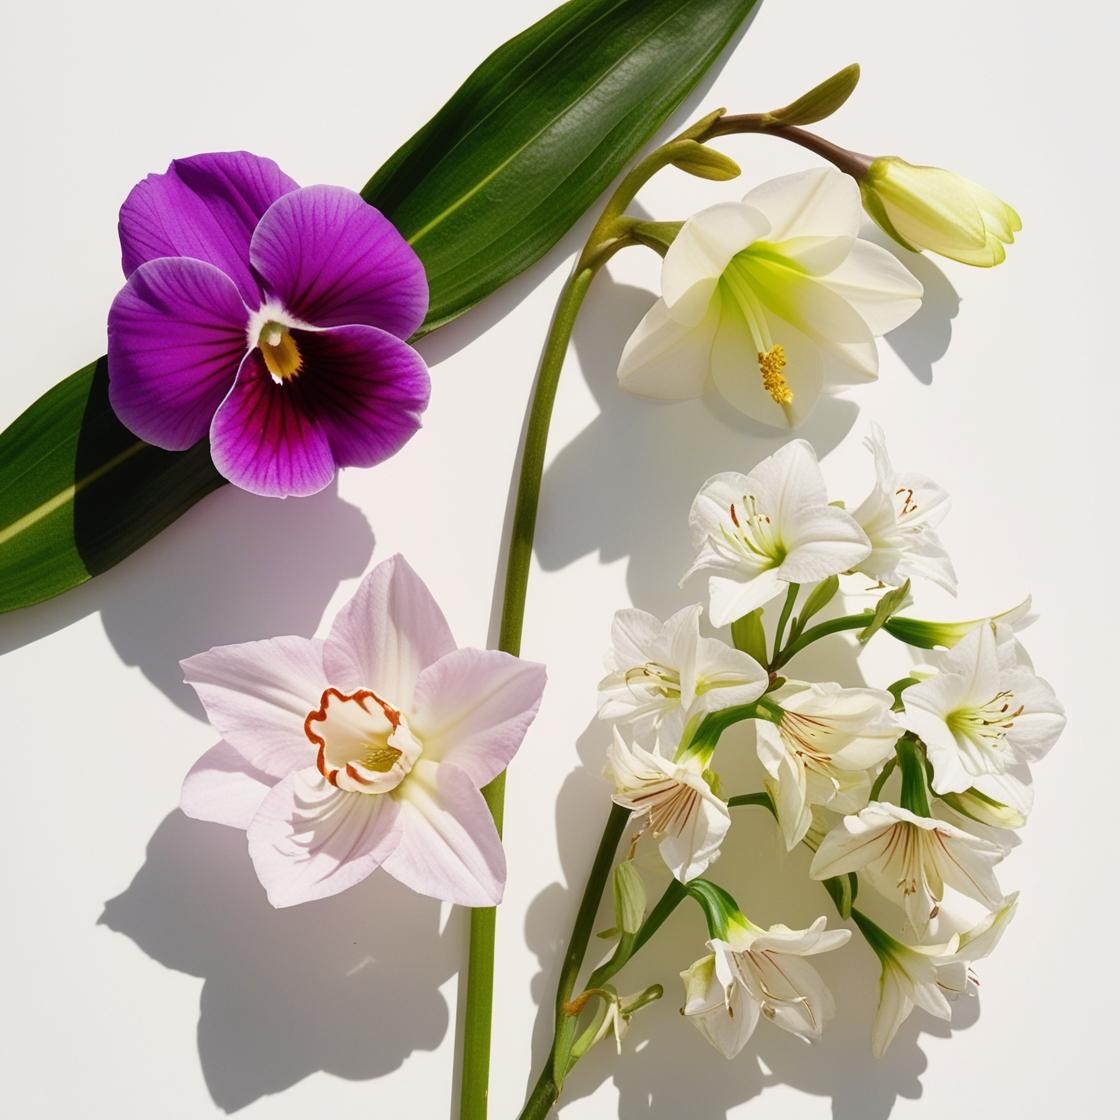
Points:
(634, 634)
(894, 1009)
(700, 252)
(258, 694)
(730, 599)
(667, 360)
(450, 848)
(691, 850)
(822, 202)
(473, 707)
(309, 840)
(389, 632)
(821, 541)
(878, 285)
(224, 788)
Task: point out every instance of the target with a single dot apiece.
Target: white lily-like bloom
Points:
(773, 299)
(910, 859)
(984, 717)
(760, 972)
(898, 517)
(677, 804)
(822, 750)
(759, 532)
(929, 976)
(662, 673)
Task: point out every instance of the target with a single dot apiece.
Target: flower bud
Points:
(985, 810)
(931, 208)
(629, 898)
(929, 635)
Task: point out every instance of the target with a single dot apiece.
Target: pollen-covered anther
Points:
(771, 363)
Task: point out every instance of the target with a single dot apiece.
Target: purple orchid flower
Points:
(270, 315)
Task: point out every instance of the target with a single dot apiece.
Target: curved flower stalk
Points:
(773, 300)
(365, 750)
(664, 673)
(931, 208)
(910, 859)
(753, 972)
(268, 316)
(899, 517)
(984, 717)
(927, 976)
(761, 532)
(823, 750)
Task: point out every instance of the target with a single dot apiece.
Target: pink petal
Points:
(257, 696)
(333, 260)
(224, 788)
(310, 840)
(473, 707)
(389, 632)
(450, 848)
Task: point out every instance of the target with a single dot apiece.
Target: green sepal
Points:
(748, 636)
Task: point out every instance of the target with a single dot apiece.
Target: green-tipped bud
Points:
(629, 898)
(983, 809)
(704, 162)
(931, 208)
(818, 599)
(929, 635)
(821, 101)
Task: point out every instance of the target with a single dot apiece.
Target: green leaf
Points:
(538, 132)
(482, 191)
(891, 603)
(821, 101)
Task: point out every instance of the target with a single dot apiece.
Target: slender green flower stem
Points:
(815, 633)
(787, 610)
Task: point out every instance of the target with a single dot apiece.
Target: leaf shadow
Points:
(666, 1068)
(287, 993)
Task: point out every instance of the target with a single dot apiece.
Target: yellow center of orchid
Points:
(771, 363)
(280, 352)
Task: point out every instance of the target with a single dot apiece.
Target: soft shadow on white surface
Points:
(235, 568)
(666, 1070)
(348, 985)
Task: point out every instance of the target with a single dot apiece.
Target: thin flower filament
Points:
(987, 725)
(752, 537)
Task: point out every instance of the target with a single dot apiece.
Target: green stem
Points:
(783, 618)
(822, 630)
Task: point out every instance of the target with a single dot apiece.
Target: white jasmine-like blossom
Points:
(929, 976)
(760, 972)
(759, 532)
(899, 516)
(664, 672)
(773, 299)
(984, 717)
(822, 750)
(910, 859)
(677, 804)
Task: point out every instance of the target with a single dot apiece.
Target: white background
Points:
(144, 973)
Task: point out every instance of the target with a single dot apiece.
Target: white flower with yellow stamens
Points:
(984, 717)
(675, 801)
(662, 673)
(910, 859)
(759, 532)
(773, 299)
(822, 750)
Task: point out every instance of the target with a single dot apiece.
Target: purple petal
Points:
(176, 338)
(204, 207)
(367, 388)
(265, 438)
(332, 260)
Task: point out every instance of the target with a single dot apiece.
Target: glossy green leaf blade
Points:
(482, 190)
(538, 131)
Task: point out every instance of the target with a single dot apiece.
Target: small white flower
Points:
(984, 717)
(756, 533)
(823, 749)
(929, 976)
(664, 672)
(774, 299)
(678, 805)
(910, 859)
(760, 972)
(898, 517)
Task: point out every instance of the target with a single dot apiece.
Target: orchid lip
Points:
(364, 743)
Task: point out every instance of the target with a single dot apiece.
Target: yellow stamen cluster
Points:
(380, 759)
(771, 364)
(280, 352)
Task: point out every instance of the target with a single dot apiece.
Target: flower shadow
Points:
(287, 993)
(666, 1068)
(235, 568)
